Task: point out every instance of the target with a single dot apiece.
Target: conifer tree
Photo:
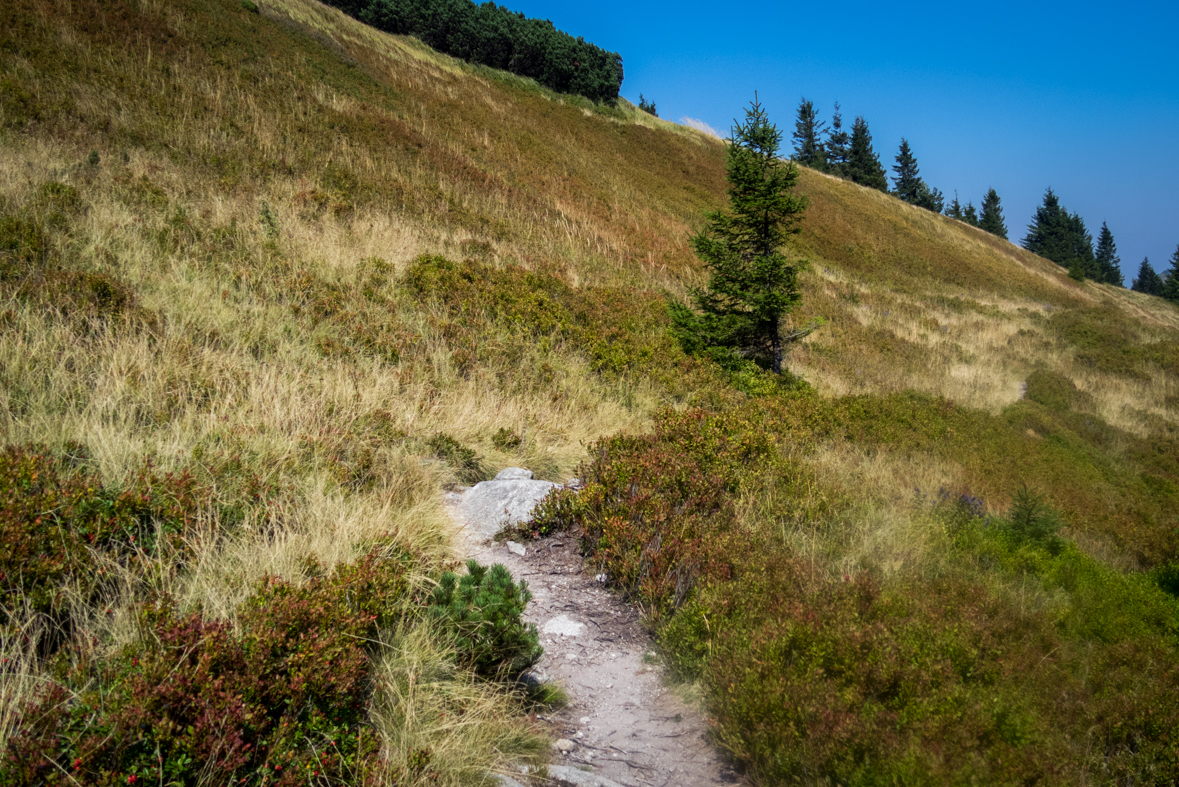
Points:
(838, 141)
(1081, 258)
(955, 209)
(1147, 281)
(1051, 232)
(970, 215)
(1108, 261)
(907, 182)
(752, 285)
(930, 199)
(808, 149)
(863, 165)
(1171, 280)
(992, 215)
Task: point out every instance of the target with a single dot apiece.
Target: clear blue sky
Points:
(1080, 96)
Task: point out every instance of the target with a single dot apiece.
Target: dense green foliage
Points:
(493, 36)
(482, 611)
(752, 285)
(1108, 261)
(863, 165)
(907, 180)
(991, 219)
(1171, 279)
(909, 184)
(968, 214)
(1147, 281)
(279, 699)
(1061, 237)
(647, 106)
(61, 527)
(837, 145)
(490, 315)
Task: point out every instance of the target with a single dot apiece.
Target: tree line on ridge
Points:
(1054, 233)
(493, 36)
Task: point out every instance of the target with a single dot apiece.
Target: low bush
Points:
(1056, 392)
(945, 677)
(466, 465)
(56, 519)
(620, 332)
(657, 511)
(281, 700)
(506, 440)
(482, 612)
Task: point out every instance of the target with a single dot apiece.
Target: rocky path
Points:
(622, 725)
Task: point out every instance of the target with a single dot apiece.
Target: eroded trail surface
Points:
(622, 725)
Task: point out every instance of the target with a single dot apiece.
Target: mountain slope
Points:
(317, 273)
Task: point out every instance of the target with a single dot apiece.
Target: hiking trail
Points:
(622, 725)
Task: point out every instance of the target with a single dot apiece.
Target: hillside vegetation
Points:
(271, 280)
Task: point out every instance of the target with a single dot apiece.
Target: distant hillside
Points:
(272, 280)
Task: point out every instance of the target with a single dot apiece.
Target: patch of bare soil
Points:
(622, 723)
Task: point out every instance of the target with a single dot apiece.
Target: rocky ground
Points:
(623, 725)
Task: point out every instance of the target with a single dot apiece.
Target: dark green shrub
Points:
(1031, 519)
(1056, 392)
(506, 440)
(463, 461)
(282, 701)
(482, 610)
(1167, 578)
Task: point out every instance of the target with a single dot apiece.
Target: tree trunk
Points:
(777, 345)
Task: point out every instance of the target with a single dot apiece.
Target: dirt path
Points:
(621, 721)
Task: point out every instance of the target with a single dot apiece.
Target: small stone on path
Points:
(517, 548)
(565, 626)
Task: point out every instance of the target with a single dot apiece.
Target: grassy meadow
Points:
(271, 281)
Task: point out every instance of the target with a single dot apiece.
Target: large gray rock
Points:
(489, 506)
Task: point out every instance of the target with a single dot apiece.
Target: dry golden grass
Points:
(423, 702)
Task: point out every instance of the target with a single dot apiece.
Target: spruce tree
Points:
(930, 199)
(752, 285)
(955, 209)
(992, 215)
(1107, 258)
(808, 150)
(907, 183)
(1081, 256)
(1051, 232)
(838, 141)
(1171, 280)
(1148, 281)
(863, 165)
(970, 215)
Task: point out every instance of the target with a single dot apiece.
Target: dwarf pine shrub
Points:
(482, 611)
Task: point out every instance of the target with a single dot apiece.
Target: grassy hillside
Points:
(271, 281)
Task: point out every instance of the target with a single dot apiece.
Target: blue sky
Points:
(1017, 96)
